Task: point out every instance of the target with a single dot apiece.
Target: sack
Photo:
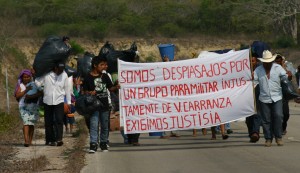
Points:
(84, 64)
(87, 104)
(288, 90)
(52, 51)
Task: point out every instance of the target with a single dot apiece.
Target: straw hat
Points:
(267, 57)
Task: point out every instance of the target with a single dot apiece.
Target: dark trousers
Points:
(253, 124)
(133, 138)
(286, 113)
(54, 115)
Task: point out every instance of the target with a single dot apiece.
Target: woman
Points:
(27, 94)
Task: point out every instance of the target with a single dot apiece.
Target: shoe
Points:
(103, 147)
(279, 142)
(284, 132)
(59, 143)
(136, 144)
(174, 135)
(268, 143)
(26, 145)
(229, 131)
(254, 138)
(93, 148)
(213, 137)
(224, 137)
(107, 146)
(52, 143)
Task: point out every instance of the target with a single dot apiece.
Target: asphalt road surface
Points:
(188, 154)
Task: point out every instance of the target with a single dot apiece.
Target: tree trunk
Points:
(294, 31)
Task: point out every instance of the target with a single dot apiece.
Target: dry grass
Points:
(10, 163)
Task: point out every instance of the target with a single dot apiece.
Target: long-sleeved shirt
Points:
(55, 88)
(270, 89)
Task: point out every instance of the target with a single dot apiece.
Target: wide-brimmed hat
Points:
(267, 57)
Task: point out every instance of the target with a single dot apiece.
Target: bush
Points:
(50, 29)
(170, 30)
(284, 42)
(76, 48)
(6, 122)
(19, 55)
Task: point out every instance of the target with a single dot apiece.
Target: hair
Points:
(97, 60)
(255, 55)
(65, 38)
(279, 56)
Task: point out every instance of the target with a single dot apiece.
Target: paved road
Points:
(189, 154)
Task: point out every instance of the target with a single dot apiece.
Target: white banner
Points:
(187, 94)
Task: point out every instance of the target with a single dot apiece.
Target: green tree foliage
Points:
(170, 18)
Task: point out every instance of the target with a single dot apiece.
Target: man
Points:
(254, 122)
(285, 102)
(56, 87)
(269, 76)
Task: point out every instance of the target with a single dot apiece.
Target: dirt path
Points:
(57, 157)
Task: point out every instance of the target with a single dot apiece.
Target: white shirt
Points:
(55, 88)
(270, 89)
(21, 101)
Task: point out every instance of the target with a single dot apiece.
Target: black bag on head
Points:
(52, 51)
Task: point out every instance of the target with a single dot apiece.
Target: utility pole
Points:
(7, 94)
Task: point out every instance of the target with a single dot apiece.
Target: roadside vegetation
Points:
(98, 19)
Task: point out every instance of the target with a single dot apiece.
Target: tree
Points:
(282, 14)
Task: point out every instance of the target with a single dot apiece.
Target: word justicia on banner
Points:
(186, 94)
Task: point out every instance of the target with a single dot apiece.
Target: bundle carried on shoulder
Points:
(53, 51)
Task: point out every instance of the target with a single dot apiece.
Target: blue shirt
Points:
(270, 89)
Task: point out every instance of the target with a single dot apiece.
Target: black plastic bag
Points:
(288, 90)
(70, 71)
(87, 104)
(53, 51)
(108, 51)
(84, 64)
(258, 47)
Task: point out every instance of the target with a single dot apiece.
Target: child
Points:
(97, 83)
(69, 119)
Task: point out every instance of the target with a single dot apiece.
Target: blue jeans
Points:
(272, 115)
(95, 118)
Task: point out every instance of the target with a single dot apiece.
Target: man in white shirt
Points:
(269, 76)
(56, 87)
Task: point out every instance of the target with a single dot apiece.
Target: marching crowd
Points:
(57, 92)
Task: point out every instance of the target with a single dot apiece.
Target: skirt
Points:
(29, 113)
